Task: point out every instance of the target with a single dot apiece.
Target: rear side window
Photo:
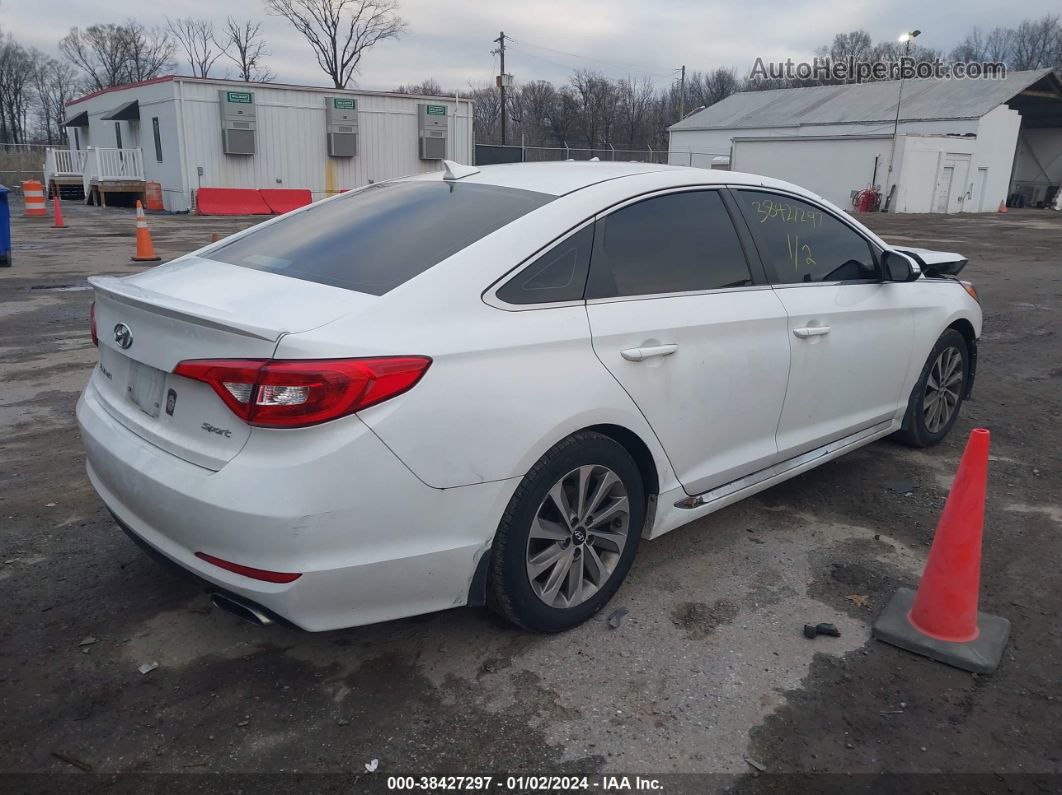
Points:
(675, 243)
(557, 275)
(804, 243)
(375, 239)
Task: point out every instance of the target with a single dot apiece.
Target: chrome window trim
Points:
(830, 284)
(684, 294)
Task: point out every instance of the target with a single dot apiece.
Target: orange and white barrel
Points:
(33, 194)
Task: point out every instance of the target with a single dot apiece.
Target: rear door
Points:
(691, 331)
(850, 333)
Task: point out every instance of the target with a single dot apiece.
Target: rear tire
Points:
(569, 534)
(938, 394)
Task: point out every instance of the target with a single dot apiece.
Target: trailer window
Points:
(375, 239)
(158, 138)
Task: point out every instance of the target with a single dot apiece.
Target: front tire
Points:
(568, 535)
(938, 394)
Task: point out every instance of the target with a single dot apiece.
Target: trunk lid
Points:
(196, 309)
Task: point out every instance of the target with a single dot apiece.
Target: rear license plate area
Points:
(145, 387)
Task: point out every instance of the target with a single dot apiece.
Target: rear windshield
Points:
(375, 239)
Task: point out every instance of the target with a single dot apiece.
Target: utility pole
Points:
(502, 79)
(905, 39)
(682, 94)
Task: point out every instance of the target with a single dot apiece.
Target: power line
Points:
(654, 71)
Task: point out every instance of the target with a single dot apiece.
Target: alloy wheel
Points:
(577, 536)
(943, 387)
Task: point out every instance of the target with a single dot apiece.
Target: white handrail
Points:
(67, 161)
(118, 164)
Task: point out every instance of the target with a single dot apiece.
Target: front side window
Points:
(804, 243)
(557, 275)
(377, 238)
(679, 242)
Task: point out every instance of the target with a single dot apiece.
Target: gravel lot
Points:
(707, 671)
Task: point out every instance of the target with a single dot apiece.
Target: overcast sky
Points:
(450, 40)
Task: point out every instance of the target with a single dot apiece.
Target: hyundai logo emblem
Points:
(123, 335)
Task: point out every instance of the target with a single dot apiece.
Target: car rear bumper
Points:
(371, 541)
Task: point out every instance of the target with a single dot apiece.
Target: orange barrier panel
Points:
(153, 195)
(284, 200)
(230, 201)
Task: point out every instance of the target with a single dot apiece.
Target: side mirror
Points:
(899, 267)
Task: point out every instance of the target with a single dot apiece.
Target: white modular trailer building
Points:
(962, 145)
(186, 133)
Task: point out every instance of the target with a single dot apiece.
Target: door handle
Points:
(811, 331)
(641, 354)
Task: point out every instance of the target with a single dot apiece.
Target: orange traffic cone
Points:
(214, 238)
(145, 249)
(1002, 208)
(58, 214)
(33, 195)
(941, 620)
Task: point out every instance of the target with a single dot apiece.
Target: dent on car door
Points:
(850, 333)
(696, 341)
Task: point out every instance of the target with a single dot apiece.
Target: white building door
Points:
(952, 191)
(940, 200)
(982, 188)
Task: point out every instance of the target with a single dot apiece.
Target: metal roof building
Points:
(968, 143)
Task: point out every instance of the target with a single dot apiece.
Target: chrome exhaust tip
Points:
(245, 610)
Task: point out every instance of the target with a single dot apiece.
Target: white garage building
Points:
(185, 133)
(963, 145)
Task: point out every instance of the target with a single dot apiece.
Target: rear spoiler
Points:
(120, 290)
(936, 263)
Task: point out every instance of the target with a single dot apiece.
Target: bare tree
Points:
(245, 47)
(854, 44)
(1037, 44)
(196, 38)
(597, 99)
(711, 87)
(340, 31)
(486, 112)
(635, 97)
(16, 75)
(100, 51)
(150, 51)
(55, 84)
(110, 55)
(429, 87)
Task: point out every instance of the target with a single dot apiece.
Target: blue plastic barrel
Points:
(5, 230)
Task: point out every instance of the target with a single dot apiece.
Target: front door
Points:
(695, 338)
(850, 334)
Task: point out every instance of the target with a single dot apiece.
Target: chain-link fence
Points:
(19, 162)
(490, 154)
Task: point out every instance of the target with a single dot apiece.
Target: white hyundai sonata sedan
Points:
(487, 386)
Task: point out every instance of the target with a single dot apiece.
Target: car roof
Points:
(564, 177)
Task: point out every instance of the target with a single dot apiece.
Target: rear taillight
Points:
(92, 324)
(294, 393)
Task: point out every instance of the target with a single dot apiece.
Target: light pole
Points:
(905, 40)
